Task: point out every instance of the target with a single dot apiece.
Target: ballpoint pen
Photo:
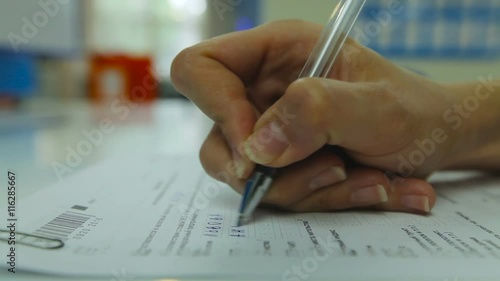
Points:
(319, 64)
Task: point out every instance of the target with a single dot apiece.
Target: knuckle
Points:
(368, 177)
(206, 152)
(325, 203)
(181, 66)
(397, 117)
(220, 118)
(218, 170)
(312, 99)
(378, 178)
(204, 155)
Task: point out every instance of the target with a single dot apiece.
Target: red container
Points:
(118, 77)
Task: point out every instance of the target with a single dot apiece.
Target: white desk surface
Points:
(33, 138)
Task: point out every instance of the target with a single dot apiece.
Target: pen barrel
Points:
(332, 39)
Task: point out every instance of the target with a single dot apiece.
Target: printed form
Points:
(162, 216)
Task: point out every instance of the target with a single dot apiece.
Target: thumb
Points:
(314, 112)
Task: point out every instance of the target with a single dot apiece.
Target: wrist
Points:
(473, 121)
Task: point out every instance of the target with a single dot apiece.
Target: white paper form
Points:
(162, 216)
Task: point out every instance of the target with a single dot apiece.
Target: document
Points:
(162, 216)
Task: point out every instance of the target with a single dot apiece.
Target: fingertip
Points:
(418, 203)
(266, 144)
(412, 195)
(242, 165)
(178, 69)
(370, 195)
(330, 176)
(249, 152)
(419, 187)
(244, 169)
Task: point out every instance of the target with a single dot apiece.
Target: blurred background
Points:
(98, 49)
(68, 65)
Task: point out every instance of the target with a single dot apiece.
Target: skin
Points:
(381, 115)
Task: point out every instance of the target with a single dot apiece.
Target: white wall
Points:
(47, 26)
(311, 10)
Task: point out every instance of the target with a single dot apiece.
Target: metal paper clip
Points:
(31, 240)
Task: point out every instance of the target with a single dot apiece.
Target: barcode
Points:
(64, 225)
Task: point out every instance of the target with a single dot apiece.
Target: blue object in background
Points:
(431, 28)
(17, 75)
(247, 14)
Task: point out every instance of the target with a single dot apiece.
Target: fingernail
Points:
(328, 177)
(416, 202)
(240, 169)
(240, 164)
(266, 144)
(369, 196)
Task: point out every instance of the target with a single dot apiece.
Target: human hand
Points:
(371, 108)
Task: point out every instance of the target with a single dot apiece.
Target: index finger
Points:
(214, 75)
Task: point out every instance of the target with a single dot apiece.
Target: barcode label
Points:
(64, 225)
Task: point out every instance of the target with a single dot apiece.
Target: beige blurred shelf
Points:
(453, 70)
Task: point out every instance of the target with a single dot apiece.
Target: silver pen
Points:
(319, 64)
